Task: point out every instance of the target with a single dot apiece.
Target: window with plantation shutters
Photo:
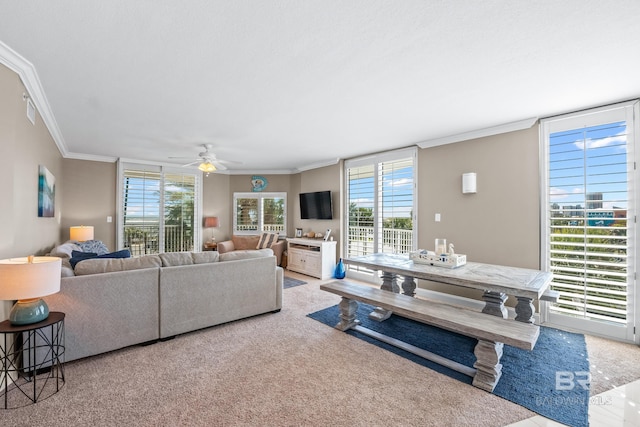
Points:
(589, 212)
(381, 199)
(158, 209)
(254, 213)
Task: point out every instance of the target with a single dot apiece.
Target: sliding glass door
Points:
(381, 198)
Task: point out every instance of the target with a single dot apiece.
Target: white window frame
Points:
(123, 165)
(376, 160)
(259, 196)
(551, 125)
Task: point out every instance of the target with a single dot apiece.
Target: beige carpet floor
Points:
(282, 369)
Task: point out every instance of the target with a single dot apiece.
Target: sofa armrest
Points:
(226, 246)
(278, 248)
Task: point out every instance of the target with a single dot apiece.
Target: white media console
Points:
(312, 257)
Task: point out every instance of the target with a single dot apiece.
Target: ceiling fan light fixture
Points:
(207, 167)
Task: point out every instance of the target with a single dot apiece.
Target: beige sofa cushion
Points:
(107, 265)
(205, 257)
(174, 259)
(245, 242)
(246, 254)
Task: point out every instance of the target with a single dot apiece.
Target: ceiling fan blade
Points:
(192, 163)
(219, 165)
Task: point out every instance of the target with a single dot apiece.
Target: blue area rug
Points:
(528, 377)
(290, 282)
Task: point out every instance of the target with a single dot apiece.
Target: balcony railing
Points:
(265, 227)
(393, 241)
(145, 239)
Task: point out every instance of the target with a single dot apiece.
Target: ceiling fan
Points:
(208, 162)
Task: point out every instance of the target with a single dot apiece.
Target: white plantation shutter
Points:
(590, 213)
(141, 211)
(254, 213)
(159, 209)
(395, 205)
(381, 198)
(180, 207)
(361, 190)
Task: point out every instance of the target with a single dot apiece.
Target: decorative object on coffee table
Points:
(340, 270)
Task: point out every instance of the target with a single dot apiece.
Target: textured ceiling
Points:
(285, 84)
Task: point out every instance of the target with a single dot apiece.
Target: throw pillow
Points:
(94, 246)
(266, 240)
(76, 256)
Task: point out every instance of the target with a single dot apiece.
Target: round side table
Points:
(31, 360)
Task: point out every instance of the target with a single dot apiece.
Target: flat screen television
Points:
(316, 205)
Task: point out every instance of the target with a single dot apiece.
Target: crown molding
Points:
(92, 157)
(479, 133)
(27, 72)
(322, 164)
(257, 171)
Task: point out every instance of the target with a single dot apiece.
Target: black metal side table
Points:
(31, 359)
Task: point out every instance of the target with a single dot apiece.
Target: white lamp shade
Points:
(469, 183)
(21, 280)
(81, 233)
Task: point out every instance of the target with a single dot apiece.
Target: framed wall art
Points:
(46, 192)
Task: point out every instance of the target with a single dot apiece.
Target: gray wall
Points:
(89, 197)
(23, 147)
(501, 223)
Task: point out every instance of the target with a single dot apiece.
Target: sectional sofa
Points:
(115, 303)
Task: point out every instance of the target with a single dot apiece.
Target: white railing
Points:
(265, 227)
(393, 240)
(144, 239)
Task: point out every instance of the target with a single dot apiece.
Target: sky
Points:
(602, 152)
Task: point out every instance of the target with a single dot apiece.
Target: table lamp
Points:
(81, 233)
(211, 222)
(27, 280)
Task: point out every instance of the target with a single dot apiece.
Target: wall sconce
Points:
(81, 233)
(469, 183)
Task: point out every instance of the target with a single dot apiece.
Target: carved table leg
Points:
(494, 304)
(348, 308)
(489, 368)
(409, 286)
(525, 310)
(390, 284)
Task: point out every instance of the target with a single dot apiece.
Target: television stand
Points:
(312, 257)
